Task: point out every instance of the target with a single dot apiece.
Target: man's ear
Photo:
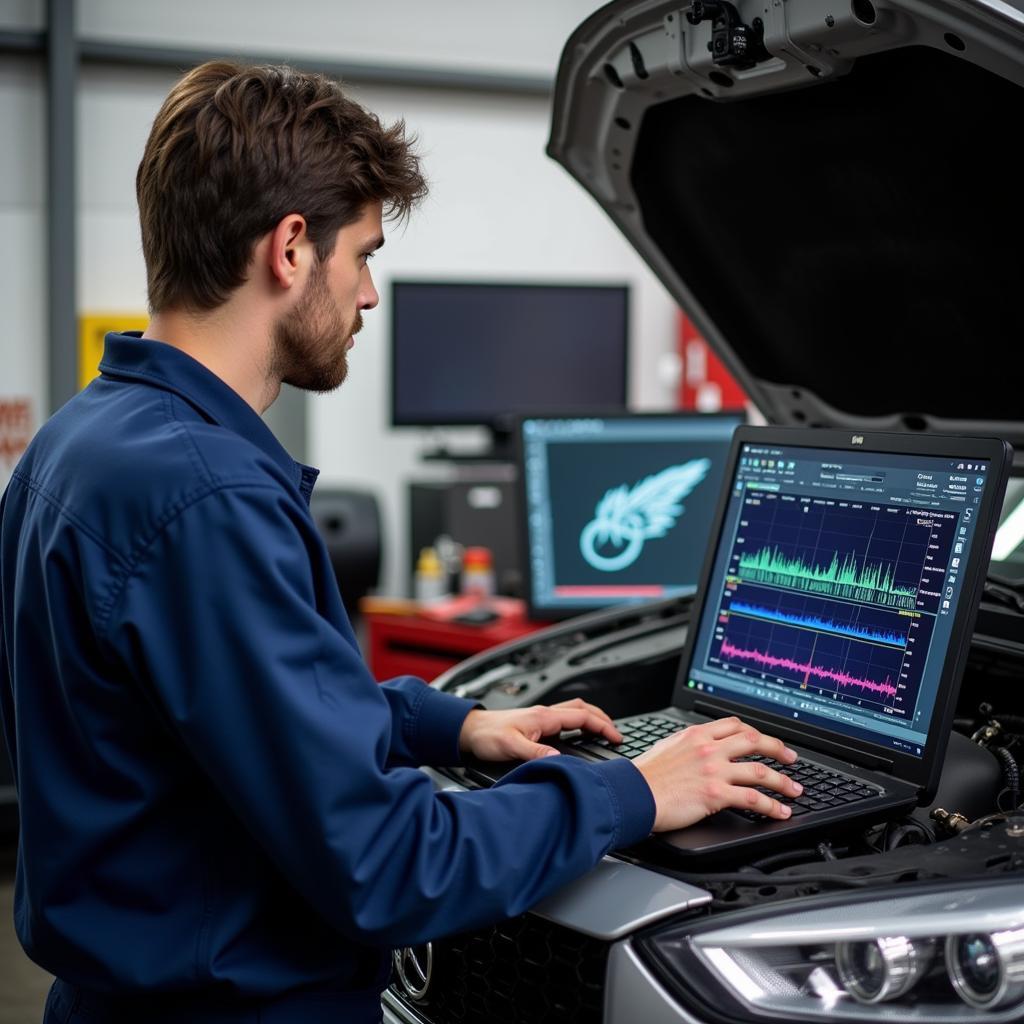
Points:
(288, 243)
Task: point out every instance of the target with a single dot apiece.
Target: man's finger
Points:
(559, 718)
(576, 702)
(722, 727)
(753, 773)
(520, 748)
(750, 800)
(774, 748)
(602, 725)
(749, 741)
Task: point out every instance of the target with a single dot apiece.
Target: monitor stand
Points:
(501, 448)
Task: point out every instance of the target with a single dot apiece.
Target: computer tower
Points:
(479, 512)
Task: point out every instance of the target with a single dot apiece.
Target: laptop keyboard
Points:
(638, 735)
(824, 788)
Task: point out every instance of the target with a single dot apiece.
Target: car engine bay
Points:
(949, 858)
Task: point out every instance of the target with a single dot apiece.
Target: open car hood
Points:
(829, 188)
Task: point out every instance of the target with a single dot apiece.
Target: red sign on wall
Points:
(705, 385)
(15, 429)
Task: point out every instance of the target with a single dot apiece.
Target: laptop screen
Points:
(835, 583)
(618, 509)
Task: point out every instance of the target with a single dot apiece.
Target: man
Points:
(221, 815)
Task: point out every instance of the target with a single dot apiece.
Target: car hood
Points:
(831, 191)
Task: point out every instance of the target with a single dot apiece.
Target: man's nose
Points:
(368, 297)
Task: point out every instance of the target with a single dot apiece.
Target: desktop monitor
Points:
(483, 352)
(618, 509)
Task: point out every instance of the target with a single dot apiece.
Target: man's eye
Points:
(367, 256)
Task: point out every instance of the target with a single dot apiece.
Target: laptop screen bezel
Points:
(923, 771)
(542, 613)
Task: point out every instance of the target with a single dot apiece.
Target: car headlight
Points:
(934, 955)
(987, 970)
(883, 969)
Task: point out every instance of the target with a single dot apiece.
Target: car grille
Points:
(522, 971)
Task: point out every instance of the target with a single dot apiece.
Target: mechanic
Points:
(221, 816)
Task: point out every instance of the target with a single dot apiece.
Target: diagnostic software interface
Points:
(835, 584)
(619, 509)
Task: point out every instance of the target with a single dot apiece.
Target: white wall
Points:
(30, 14)
(23, 261)
(116, 107)
(498, 206)
(517, 36)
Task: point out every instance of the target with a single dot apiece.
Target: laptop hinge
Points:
(855, 755)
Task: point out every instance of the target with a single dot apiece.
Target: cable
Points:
(1010, 772)
(786, 858)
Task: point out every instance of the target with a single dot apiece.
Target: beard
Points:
(310, 341)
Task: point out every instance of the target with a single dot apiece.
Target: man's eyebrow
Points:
(374, 244)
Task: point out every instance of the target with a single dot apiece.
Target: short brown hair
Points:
(234, 149)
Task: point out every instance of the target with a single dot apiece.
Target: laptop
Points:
(616, 508)
(835, 610)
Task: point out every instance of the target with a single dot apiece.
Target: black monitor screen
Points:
(619, 509)
(480, 353)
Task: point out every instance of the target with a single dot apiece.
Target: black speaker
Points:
(349, 522)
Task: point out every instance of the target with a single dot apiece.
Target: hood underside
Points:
(842, 216)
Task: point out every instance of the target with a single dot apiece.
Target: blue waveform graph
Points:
(820, 623)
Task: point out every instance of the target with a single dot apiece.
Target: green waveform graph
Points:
(868, 583)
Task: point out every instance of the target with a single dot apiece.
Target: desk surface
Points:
(420, 645)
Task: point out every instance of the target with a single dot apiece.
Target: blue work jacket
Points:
(217, 799)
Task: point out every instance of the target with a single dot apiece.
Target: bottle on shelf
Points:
(430, 582)
(478, 572)
(449, 551)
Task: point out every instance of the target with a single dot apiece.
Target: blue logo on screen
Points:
(625, 518)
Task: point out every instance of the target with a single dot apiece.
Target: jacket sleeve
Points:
(217, 619)
(425, 723)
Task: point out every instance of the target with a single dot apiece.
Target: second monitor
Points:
(618, 508)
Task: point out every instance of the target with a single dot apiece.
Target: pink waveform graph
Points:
(839, 678)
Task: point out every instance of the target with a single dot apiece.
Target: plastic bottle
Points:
(477, 572)
(430, 582)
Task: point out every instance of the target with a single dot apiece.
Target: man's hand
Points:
(513, 735)
(693, 773)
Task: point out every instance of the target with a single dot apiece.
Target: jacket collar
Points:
(129, 356)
